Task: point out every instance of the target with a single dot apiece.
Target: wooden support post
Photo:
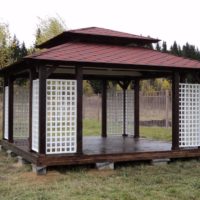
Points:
(104, 109)
(42, 110)
(137, 108)
(10, 110)
(79, 78)
(175, 110)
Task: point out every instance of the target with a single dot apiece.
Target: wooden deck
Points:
(111, 149)
(118, 144)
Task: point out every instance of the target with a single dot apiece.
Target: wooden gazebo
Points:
(55, 77)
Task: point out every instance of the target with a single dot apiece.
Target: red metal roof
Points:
(108, 32)
(112, 54)
(97, 35)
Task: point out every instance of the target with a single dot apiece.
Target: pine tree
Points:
(158, 48)
(14, 50)
(164, 47)
(174, 49)
(23, 50)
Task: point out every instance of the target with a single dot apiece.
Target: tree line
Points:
(12, 50)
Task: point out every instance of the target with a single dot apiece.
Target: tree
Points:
(48, 28)
(158, 48)
(164, 47)
(174, 49)
(96, 86)
(23, 50)
(15, 50)
(4, 43)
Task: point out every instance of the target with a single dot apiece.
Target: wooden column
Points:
(79, 78)
(137, 108)
(42, 110)
(104, 109)
(10, 109)
(175, 110)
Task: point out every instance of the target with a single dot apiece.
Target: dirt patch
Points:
(48, 178)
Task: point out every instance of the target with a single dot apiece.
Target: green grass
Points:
(156, 133)
(178, 180)
(93, 128)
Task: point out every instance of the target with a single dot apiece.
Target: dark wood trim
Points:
(79, 78)
(124, 85)
(10, 109)
(175, 110)
(137, 108)
(29, 156)
(104, 109)
(42, 110)
(53, 160)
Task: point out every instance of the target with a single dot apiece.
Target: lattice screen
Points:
(189, 117)
(35, 115)
(21, 112)
(115, 112)
(61, 116)
(130, 112)
(6, 112)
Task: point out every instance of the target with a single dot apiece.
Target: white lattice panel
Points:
(130, 112)
(189, 115)
(114, 112)
(21, 112)
(35, 115)
(6, 112)
(61, 112)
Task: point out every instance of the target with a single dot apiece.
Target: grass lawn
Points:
(93, 127)
(178, 180)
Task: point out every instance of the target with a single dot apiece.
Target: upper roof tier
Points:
(98, 35)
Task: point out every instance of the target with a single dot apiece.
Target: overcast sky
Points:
(168, 20)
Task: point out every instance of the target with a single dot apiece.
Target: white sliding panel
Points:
(61, 112)
(35, 115)
(6, 124)
(114, 112)
(189, 115)
(130, 112)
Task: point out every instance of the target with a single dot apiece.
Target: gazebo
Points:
(54, 135)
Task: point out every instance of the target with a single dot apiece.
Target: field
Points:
(167, 182)
(177, 180)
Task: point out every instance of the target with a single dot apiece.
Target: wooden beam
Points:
(42, 110)
(10, 110)
(104, 109)
(79, 78)
(137, 108)
(175, 110)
